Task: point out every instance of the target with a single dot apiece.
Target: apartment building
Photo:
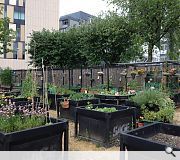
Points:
(74, 20)
(27, 16)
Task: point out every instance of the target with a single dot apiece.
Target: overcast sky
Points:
(93, 7)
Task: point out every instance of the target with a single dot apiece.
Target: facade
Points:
(74, 20)
(27, 16)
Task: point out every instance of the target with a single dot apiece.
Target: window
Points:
(15, 50)
(13, 2)
(65, 22)
(19, 15)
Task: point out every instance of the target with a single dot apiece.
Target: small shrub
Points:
(155, 105)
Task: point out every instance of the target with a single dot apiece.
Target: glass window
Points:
(19, 15)
(65, 22)
(13, 2)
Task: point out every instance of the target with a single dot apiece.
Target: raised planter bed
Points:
(152, 137)
(70, 112)
(18, 99)
(53, 97)
(112, 99)
(104, 128)
(44, 138)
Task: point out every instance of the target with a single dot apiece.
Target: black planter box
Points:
(104, 128)
(70, 113)
(133, 104)
(44, 138)
(22, 103)
(51, 98)
(137, 140)
(112, 99)
(18, 99)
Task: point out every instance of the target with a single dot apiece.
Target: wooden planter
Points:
(104, 128)
(139, 139)
(43, 138)
(69, 109)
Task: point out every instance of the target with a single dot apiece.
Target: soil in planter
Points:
(169, 140)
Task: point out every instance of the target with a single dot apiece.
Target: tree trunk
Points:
(171, 45)
(150, 50)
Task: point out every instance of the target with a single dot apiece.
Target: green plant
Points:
(100, 109)
(155, 105)
(133, 85)
(19, 118)
(80, 96)
(29, 87)
(6, 77)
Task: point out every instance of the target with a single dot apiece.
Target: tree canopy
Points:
(154, 19)
(110, 39)
(6, 34)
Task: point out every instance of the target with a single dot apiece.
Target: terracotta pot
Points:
(65, 104)
(140, 124)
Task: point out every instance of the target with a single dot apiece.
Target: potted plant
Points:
(140, 71)
(172, 71)
(55, 93)
(133, 74)
(25, 129)
(68, 105)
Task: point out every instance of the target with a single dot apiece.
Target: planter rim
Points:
(60, 121)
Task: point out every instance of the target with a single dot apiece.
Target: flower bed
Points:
(22, 128)
(102, 123)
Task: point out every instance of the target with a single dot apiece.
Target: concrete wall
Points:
(13, 63)
(39, 14)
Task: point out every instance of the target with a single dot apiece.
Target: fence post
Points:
(81, 77)
(69, 78)
(107, 77)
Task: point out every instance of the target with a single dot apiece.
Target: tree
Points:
(111, 40)
(6, 35)
(153, 18)
(56, 48)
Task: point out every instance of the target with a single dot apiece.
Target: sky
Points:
(93, 7)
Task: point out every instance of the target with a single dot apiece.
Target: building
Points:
(74, 20)
(27, 16)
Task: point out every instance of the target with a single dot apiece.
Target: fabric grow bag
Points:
(43, 138)
(104, 128)
(137, 139)
(70, 113)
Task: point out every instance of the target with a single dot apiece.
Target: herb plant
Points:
(155, 105)
(19, 118)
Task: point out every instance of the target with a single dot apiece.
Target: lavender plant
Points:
(13, 118)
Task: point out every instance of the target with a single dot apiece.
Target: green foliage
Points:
(53, 89)
(155, 105)
(154, 19)
(57, 48)
(6, 34)
(18, 123)
(110, 39)
(133, 85)
(29, 86)
(6, 77)
(80, 96)
(100, 109)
